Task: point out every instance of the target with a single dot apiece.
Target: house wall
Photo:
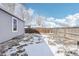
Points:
(6, 27)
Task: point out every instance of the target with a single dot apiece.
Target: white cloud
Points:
(57, 22)
(50, 19)
(70, 20)
(49, 24)
(33, 17)
(30, 11)
(73, 20)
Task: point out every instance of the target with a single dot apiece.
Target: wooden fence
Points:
(67, 34)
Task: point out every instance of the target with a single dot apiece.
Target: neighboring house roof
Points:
(11, 14)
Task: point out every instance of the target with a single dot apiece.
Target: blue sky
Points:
(56, 10)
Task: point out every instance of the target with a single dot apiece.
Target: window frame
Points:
(13, 18)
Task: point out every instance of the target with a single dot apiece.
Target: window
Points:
(14, 25)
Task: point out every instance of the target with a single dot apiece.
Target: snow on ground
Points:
(50, 46)
(31, 45)
(54, 48)
(38, 45)
(60, 49)
(40, 49)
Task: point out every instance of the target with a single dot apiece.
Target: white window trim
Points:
(13, 24)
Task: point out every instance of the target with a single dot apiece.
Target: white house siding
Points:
(6, 27)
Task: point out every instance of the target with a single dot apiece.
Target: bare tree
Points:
(39, 20)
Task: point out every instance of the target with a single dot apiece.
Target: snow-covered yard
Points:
(37, 45)
(58, 48)
(31, 45)
(40, 49)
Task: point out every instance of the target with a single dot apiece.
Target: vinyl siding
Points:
(6, 27)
